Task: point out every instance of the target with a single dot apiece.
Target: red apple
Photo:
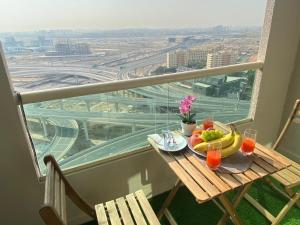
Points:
(196, 139)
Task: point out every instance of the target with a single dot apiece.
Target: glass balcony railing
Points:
(89, 128)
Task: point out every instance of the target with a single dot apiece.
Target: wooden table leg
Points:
(169, 199)
(230, 206)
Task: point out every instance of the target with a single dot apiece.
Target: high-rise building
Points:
(221, 58)
(197, 55)
(177, 59)
(171, 60)
(181, 58)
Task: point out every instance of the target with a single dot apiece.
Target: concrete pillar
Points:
(85, 130)
(88, 105)
(237, 104)
(116, 106)
(62, 104)
(133, 128)
(152, 108)
(44, 125)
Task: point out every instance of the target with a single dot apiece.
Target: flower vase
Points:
(188, 128)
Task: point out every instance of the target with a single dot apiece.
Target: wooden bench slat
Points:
(63, 201)
(298, 113)
(230, 180)
(296, 165)
(57, 196)
(113, 213)
(210, 175)
(290, 176)
(271, 161)
(101, 215)
(280, 179)
(276, 155)
(294, 170)
(197, 176)
(145, 205)
(135, 209)
(49, 191)
(259, 170)
(296, 120)
(124, 211)
(265, 165)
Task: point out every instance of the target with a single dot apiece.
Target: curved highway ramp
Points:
(66, 133)
(114, 146)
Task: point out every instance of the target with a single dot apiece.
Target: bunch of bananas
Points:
(231, 143)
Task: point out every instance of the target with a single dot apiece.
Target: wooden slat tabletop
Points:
(206, 184)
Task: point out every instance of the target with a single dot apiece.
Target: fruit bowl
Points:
(189, 144)
(202, 154)
(231, 143)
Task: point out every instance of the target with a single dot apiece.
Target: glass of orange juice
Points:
(249, 141)
(208, 122)
(213, 156)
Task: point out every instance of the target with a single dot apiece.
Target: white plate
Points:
(181, 143)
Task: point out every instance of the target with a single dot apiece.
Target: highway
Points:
(66, 133)
(152, 121)
(148, 113)
(113, 147)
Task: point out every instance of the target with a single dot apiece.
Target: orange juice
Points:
(213, 159)
(248, 145)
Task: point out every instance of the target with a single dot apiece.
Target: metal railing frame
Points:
(97, 88)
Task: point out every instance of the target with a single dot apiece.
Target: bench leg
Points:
(286, 208)
(291, 193)
(287, 192)
(169, 199)
(275, 220)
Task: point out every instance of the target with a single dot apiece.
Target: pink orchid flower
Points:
(186, 103)
(190, 98)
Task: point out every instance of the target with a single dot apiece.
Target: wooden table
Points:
(206, 184)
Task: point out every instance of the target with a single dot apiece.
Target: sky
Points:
(31, 15)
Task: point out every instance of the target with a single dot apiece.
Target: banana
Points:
(226, 141)
(230, 150)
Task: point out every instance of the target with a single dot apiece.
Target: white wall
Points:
(278, 51)
(22, 194)
(290, 144)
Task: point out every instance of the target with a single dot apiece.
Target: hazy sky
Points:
(25, 15)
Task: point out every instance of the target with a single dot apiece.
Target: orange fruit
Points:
(197, 131)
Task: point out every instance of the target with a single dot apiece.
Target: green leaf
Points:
(192, 116)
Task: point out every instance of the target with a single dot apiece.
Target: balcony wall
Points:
(290, 145)
(21, 193)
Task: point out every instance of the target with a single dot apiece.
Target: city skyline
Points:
(34, 15)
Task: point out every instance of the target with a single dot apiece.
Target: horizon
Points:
(83, 30)
(34, 15)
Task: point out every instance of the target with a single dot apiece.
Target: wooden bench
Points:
(288, 178)
(129, 210)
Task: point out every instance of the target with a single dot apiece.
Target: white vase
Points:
(188, 128)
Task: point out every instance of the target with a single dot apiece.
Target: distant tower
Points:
(221, 58)
(177, 59)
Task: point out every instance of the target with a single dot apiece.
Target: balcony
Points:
(98, 132)
(91, 128)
